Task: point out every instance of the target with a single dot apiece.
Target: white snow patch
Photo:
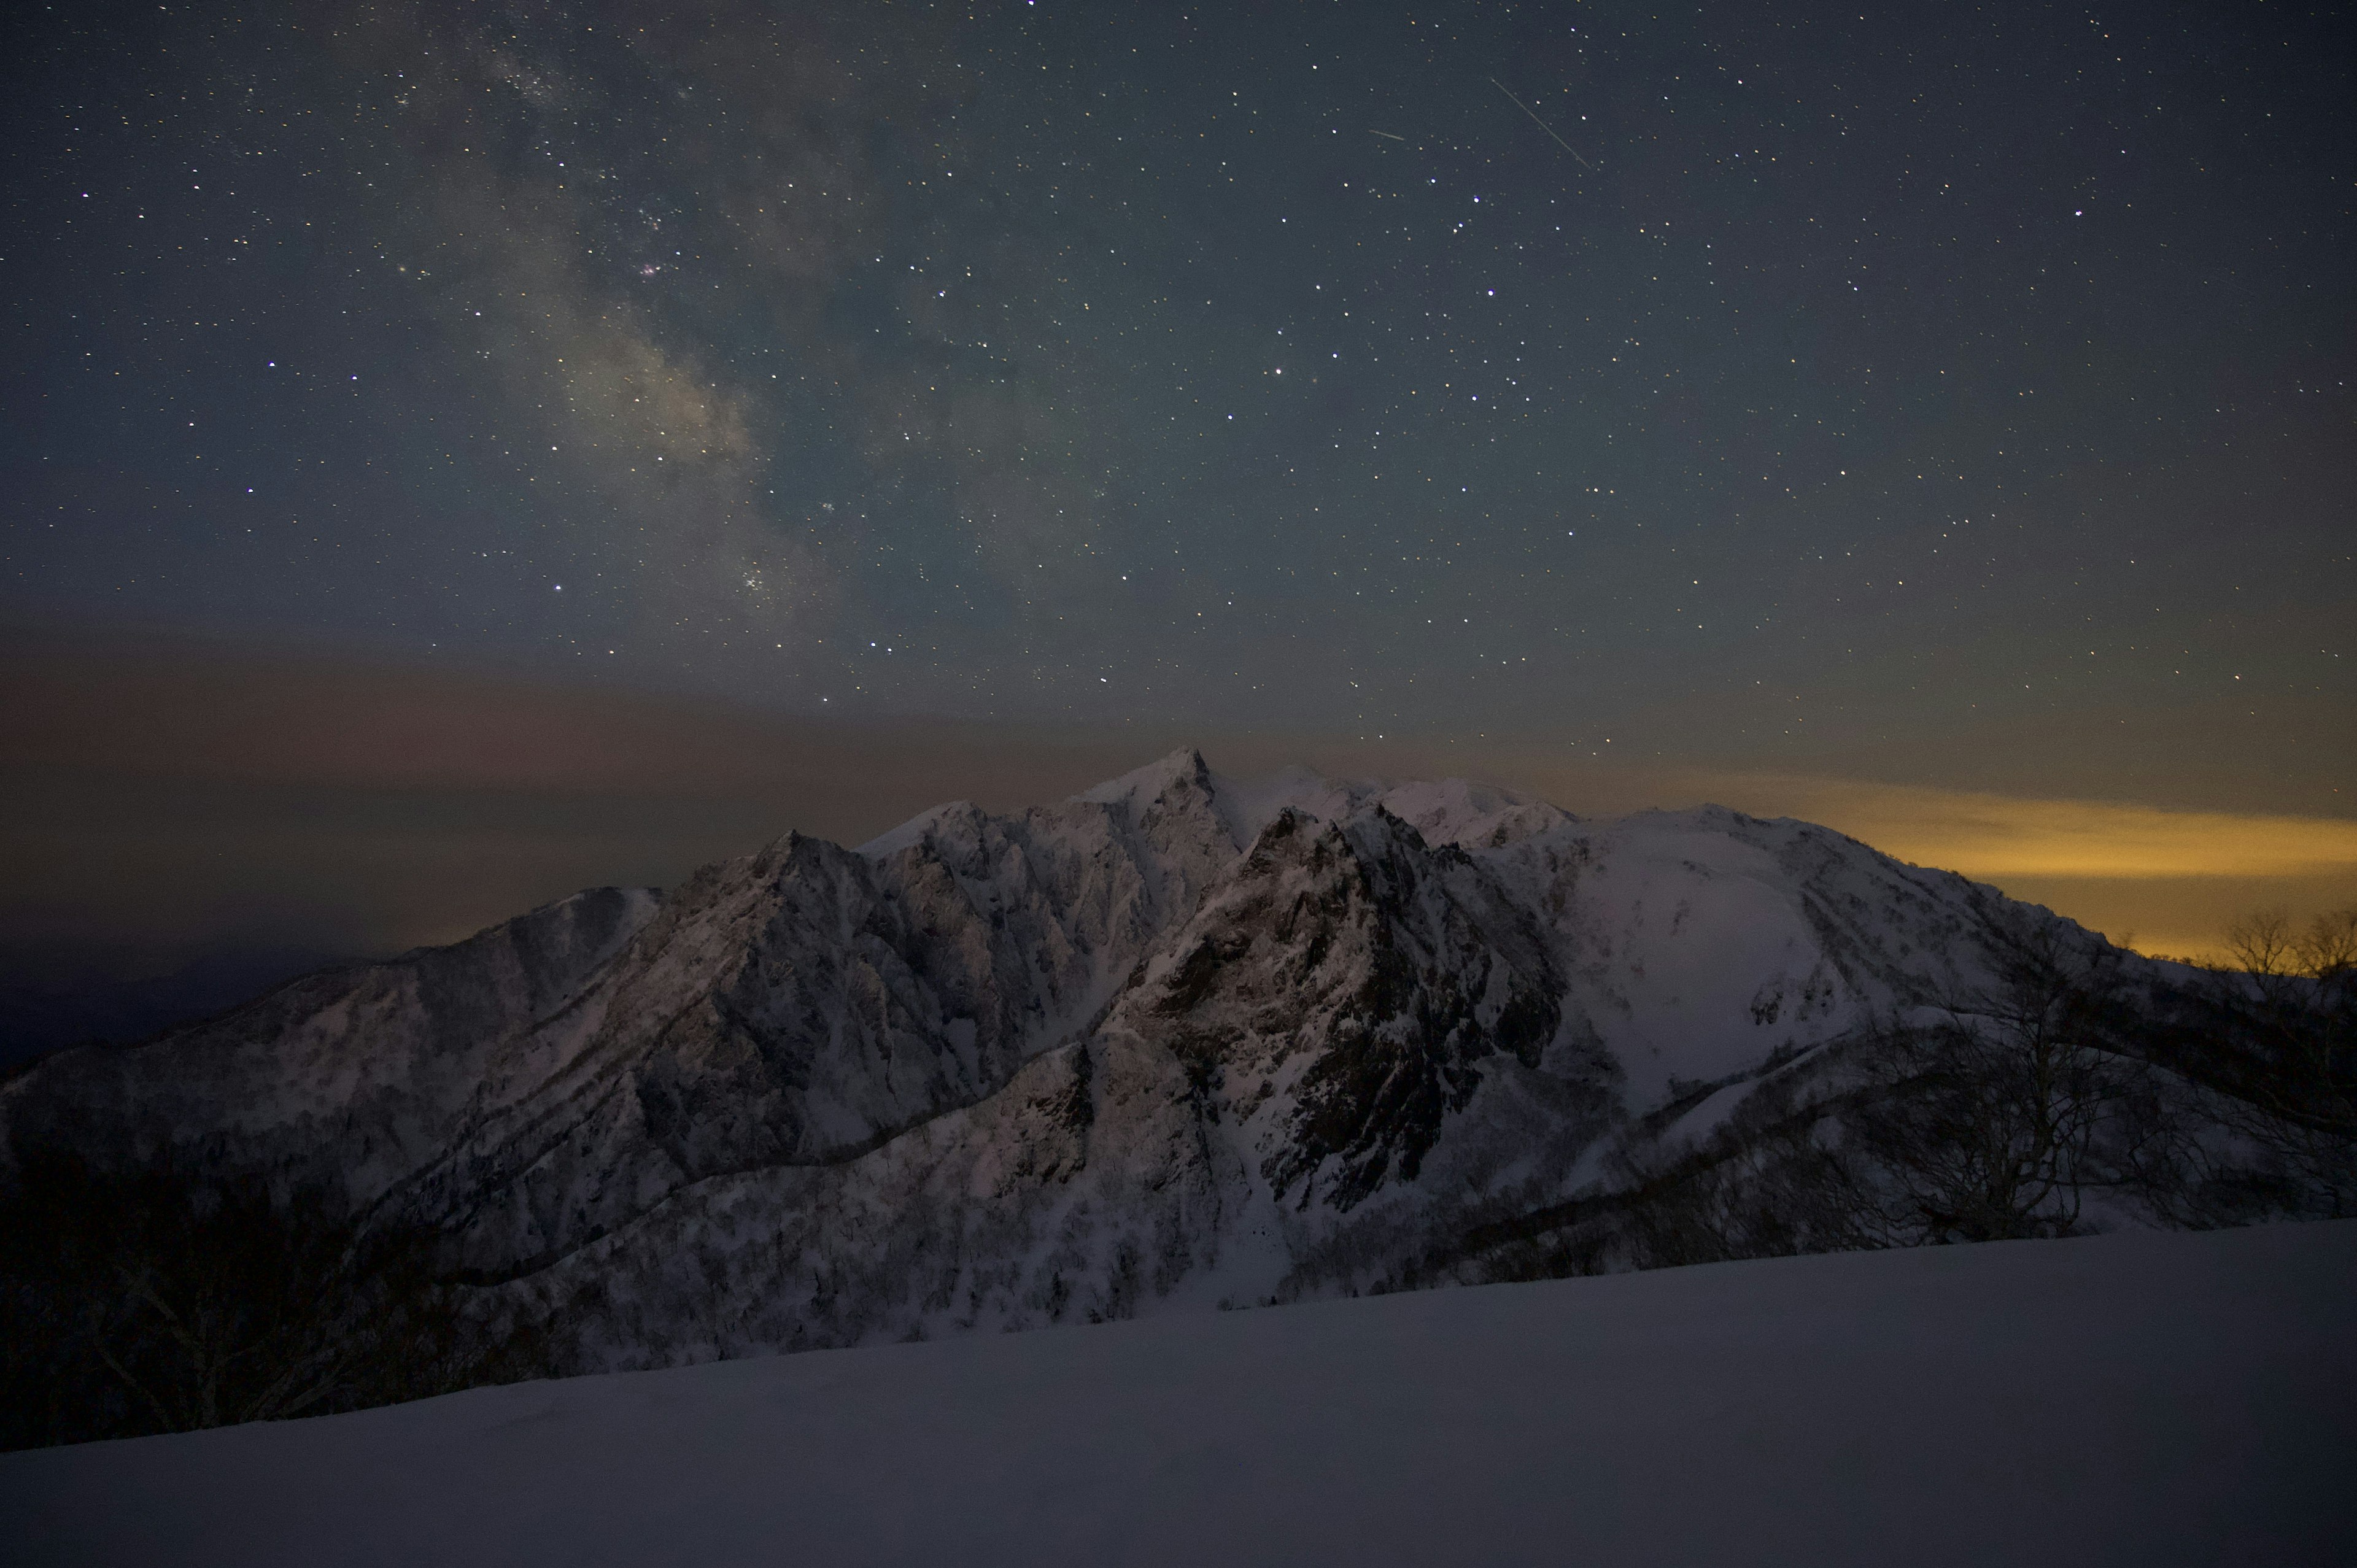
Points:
(892, 840)
(1143, 784)
(2141, 1398)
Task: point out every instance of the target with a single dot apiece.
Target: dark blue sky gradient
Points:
(1873, 390)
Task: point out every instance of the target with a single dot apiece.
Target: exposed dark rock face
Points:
(1177, 1041)
(1363, 975)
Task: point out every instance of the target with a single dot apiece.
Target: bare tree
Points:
(2262, 945)
(2289, 1010)
(142, 1301)
(2328, 949)
(1986, 1124)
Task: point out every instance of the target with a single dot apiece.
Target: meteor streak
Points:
(1541, 124)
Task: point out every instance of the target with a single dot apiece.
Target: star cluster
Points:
(1790, 383)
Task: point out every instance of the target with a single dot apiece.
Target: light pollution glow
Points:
(241, 782)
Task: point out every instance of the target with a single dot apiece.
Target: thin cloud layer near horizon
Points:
(165, 793)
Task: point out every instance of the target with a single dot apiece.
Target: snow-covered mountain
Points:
(1178, 1041)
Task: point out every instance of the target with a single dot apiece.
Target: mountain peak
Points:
(892, 840)
(1180, 1039)
(1144, 784)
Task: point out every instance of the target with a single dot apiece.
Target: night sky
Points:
(1943, 396)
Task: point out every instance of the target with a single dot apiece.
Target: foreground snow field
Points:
(2142, 1397)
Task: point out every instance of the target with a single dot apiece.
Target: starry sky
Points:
(1951, 397)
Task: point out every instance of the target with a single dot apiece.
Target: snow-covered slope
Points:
(2141, 1398)
(356, 1074)
(1177, 1041)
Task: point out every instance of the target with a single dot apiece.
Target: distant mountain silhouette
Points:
(52, 996)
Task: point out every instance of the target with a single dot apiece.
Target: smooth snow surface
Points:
(2139, 1398)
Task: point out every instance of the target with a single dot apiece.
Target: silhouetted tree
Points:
(2287, 1013)
(1987, 1124)
(145, 1300)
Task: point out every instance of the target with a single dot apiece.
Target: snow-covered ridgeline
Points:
(1177, 1041)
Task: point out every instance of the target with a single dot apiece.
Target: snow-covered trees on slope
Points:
(1178, 1043)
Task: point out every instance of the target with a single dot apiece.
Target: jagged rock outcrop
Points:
(1178, 1040)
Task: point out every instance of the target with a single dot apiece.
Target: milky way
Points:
(1780, 383)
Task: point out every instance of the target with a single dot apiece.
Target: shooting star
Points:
(1372, 132)
(1541, 124)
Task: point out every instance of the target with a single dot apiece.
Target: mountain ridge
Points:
(1174, 1039)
